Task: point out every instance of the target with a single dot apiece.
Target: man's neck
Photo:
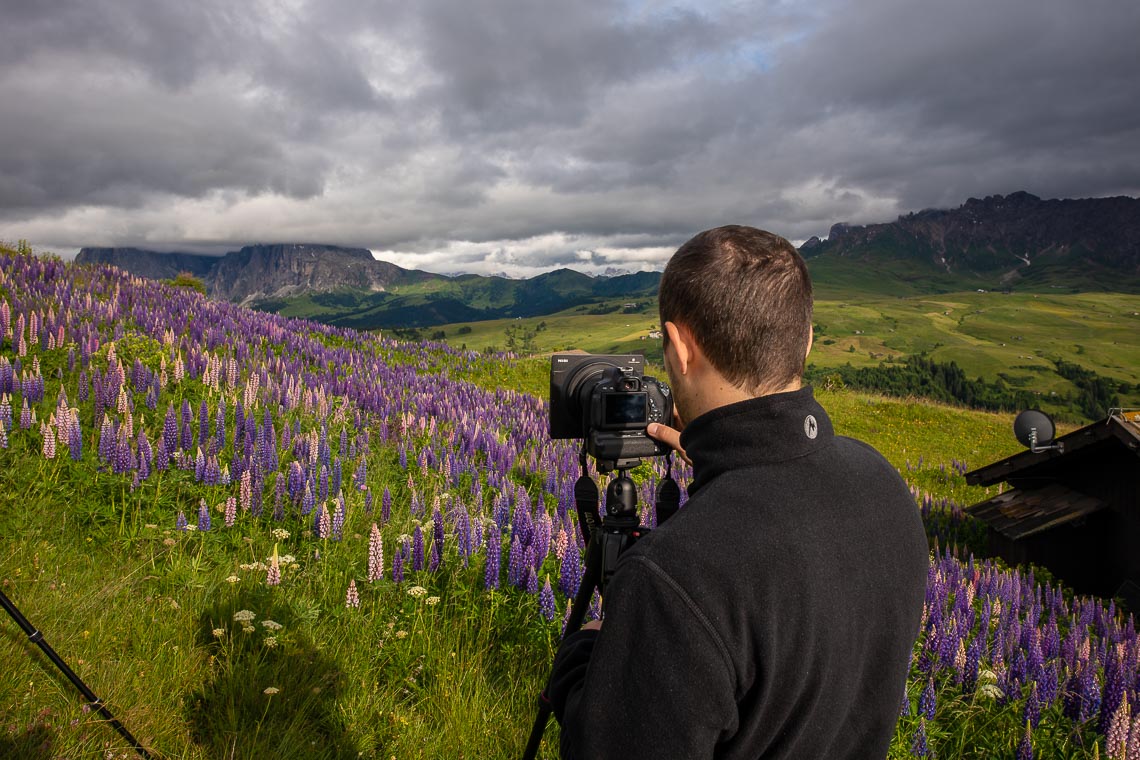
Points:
(719, 392)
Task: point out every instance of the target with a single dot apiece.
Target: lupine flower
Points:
(515, 570)
(338, 517)
(352, 598)
(273, 574)
(570, 574)
(494, 557)
(1025, 748)
(418, 549)
(546, 601)
(180, 523)
(436, 540)
(1032, 712)
(203, 516)
(375, 554)
(1118, 728)
(398, 563)
(231, 511)
(918, 744)
(926, 702)
(49, 441)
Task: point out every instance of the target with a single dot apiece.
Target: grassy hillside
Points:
(1012, 338)
(260, 537)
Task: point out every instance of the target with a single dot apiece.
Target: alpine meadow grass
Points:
(261, 537)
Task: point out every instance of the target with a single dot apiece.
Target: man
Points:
(774, 615)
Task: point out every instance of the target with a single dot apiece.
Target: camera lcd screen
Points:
(624, 409)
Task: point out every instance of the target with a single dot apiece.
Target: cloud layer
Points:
(515, 136)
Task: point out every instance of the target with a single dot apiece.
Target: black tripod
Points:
(605, 539)
(38, 639)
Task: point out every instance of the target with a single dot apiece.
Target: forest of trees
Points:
(923, 377)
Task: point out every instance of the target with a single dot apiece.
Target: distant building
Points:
(655, 334)
(1075, 511)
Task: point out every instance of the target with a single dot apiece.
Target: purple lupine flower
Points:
(1113, 692)
(180, 523)
(546, 601)
(494, 556)
(926, 702)
(398, 563)
(1025, 749)
(386, 506)
(463, 533)
(418, 549)
(570, 574)
(145, 454)
(352, 597)
(1032, 711)
(515, 572)
(375, 554)
(170, 430)
(161, 456)
(595, 610)
(367, 500)
(203, 516)
(436, 540)
(918, 744)
(187, 439)
(531, 579)
(220, 424)
(203, 423)
(338, 517)
(308, 501)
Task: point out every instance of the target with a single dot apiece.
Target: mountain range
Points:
(999, 242)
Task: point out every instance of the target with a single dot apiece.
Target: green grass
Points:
(145, 614)
(1013, 338)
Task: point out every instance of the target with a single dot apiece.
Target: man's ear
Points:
(683, 346)
(811, 340)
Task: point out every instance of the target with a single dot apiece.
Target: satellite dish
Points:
(1034, 429)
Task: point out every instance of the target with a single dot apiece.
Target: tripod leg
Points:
(37, 638)
(590, 578)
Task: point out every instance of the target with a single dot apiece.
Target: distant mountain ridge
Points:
(348, 287)
(1017, 239)
(1013, 241)
(262, 271)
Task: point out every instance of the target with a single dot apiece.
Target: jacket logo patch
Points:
(811, 427)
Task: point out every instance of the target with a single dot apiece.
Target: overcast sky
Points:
(521, 135)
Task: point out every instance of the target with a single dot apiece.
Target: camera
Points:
(608, 401)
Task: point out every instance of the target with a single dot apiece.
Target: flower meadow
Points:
(255, 536)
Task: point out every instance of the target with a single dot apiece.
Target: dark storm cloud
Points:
(513, 135)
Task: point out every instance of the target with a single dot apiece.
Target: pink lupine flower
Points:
(352, 597)
(375, 555)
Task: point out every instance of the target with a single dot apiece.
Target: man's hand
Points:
(671, 437)
(593, 625)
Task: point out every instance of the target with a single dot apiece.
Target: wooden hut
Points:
(1073, 509)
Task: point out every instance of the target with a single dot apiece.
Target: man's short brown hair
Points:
(745, 295)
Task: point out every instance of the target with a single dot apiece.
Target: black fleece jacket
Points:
(772, 617)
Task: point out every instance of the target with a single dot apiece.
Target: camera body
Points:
(607, 400)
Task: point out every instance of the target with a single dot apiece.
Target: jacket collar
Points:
(761, 430)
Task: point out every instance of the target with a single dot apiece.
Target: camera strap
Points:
(586, 500)
(668, 497)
